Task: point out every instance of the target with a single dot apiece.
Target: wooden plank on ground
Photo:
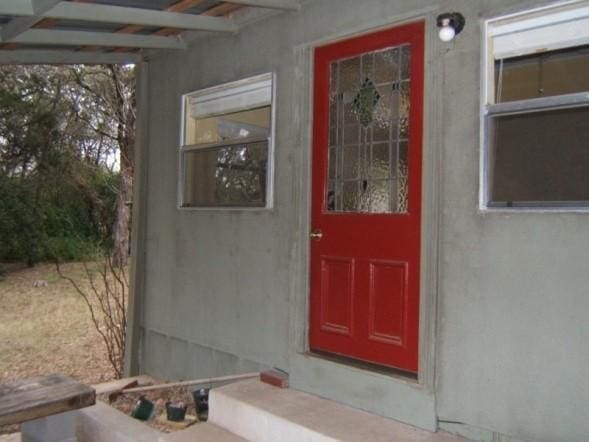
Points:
(120, 384)
(42, 396)
(234, 377)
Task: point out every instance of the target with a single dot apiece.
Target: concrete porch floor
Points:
(246, 410)
(260, 412)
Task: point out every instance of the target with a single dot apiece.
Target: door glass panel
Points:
(351, 196)
(386, 65)
(405, 62)
(351, 163)
(380, 166)
(402, 177)
(369, 131)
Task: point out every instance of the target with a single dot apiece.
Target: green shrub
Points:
(58, 219)
(70, 248)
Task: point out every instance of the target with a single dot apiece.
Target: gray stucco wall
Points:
(226, 291)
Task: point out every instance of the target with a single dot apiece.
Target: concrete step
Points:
(202, 432)
(263, 413)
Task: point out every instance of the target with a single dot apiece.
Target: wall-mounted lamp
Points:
(450, 24)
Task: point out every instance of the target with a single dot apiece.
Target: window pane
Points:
(251, 123)
(368, 133)
(540, 157)
(542, 75)
(226, 176)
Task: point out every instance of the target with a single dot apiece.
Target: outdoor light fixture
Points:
(450, 24)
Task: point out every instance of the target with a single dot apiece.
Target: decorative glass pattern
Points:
(365, 102)
(368, 167)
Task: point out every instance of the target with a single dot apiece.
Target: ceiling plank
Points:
(180, 6)
(41, 6)
(82, 38)
(25, 56)
(184, 5)
(285, 5)
(223, 9)
(19, 25)
(137, 16)
(16, 7)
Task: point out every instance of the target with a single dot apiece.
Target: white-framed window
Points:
(535, 116)
(226, 151)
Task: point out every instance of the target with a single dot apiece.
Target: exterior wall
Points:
(226, 291)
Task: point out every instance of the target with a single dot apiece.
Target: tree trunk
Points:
(121, 228)
(125, 105)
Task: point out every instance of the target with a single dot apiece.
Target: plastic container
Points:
(144, 409)
(201, 403)
(176, 412)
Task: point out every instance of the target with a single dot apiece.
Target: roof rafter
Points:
(180, 6)
(286, 5)
(138, 16)
(184, 5)
(16, 7)
(19, 25)
(81, 38)
(36, 24)
(29, 56)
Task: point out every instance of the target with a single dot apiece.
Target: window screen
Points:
(536, 111)
(540, 157)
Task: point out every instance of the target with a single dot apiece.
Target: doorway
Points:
(366, 197)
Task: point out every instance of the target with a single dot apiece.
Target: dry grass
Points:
(48, 329)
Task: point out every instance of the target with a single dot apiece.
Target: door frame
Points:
(301, 131)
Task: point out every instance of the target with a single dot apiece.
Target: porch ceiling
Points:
(114, 31)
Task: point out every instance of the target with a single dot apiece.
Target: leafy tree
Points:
(60, 134)
(107, 105)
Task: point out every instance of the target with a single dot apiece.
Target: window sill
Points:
(523, 210)
(225, 209)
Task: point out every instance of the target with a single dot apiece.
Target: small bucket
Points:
(201, 403)
(176, 412)
(144, 409)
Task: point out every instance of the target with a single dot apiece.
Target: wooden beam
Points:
(137, 266)
(285, 5)
(184, 5)
(82, 38)
(42, 396)
(179, 6)
(25, 56)
(222, 10)
(138, 16)
(215, 380)
(120, 384)
(19, 25)
(16, 7)
(42, 6)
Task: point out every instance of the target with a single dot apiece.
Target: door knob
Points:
(316, 234)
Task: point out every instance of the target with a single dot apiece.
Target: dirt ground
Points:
(47, 329)
(177, 395)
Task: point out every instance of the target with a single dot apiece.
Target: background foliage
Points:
(60, 159)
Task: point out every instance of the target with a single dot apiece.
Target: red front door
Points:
(366, 197)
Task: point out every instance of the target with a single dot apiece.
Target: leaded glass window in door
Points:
(369, 132)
